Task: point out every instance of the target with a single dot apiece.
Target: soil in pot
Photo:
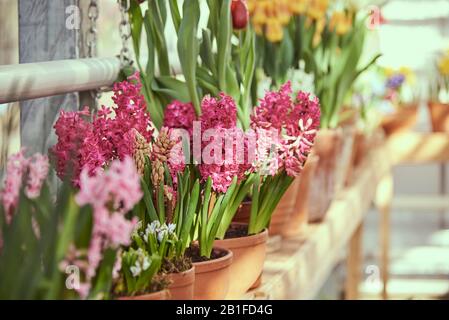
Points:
(298, 221)
(181, 276)
(212, 276)
(156, 291)
(403, 120)
(327, 147)
(249, 256)
(439, 116)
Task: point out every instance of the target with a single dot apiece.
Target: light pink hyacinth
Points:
(20, 170)
(220, 116)
(297, 122)
(111, 194)
(37, 173)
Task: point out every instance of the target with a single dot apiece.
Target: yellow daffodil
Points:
(320, 24)
(408, 74)
(274, 31)
(251, 6)
(317, 9)
(260, 16)
(443, 65)
(340, 22)
(283, 13)
(298, 7)
(388, 72)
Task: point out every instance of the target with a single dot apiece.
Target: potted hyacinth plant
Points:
(168, 211)
(170, 197)
(283, 140)
(63, 249)
(439, 96)
(400, 104)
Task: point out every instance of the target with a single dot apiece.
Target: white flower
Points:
(153, 227)
(146, 263)
(162, 233)
(171, 228)
(136, 270)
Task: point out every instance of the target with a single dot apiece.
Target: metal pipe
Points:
(42, 79)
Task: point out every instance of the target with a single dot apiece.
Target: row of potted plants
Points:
(173, 191)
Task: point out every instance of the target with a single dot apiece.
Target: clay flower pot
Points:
(403, 120)
(343, 166)
(439, 116)
(328, 144)
(160, 295)
(284, 209)
(358, 154)
(249, 256)
(182, 285)
(243, 213)
(281, 214)
(212, 277)
(360, 148)
(297, 223)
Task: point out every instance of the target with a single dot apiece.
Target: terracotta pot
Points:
(360, 148)
(358, 154)
(182, 285)
(247, 264)
(160, 295)
(328, 143)
(439, 116)
(243, 213)
(212, 277)
(297, 223)
(284, 209)
(343, 166)
(403, 120)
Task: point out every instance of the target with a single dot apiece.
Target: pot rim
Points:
(245, 241)
(148, 296)
(436, 103)
(182, 279)
(215, 264)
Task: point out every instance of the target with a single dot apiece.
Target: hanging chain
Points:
(91, 40)
(125, 32)
(91, 35)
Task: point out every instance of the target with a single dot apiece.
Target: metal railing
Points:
(36, 80)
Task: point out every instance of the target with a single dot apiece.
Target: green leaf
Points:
(224, 43)
(173, 88)
(176, 16)
(206, 53)
(136, 19)
(148, 199)
(188, 48)
(161, 203)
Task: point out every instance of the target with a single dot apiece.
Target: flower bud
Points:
(240, 15)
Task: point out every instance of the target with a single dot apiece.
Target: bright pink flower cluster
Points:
(112, 194)
(20, 170)
(218, 113)
(221, 142)
(297, 122)
(180, 115)
(82, 144)
(273, 109)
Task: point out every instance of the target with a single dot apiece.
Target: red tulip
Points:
(240, 15)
